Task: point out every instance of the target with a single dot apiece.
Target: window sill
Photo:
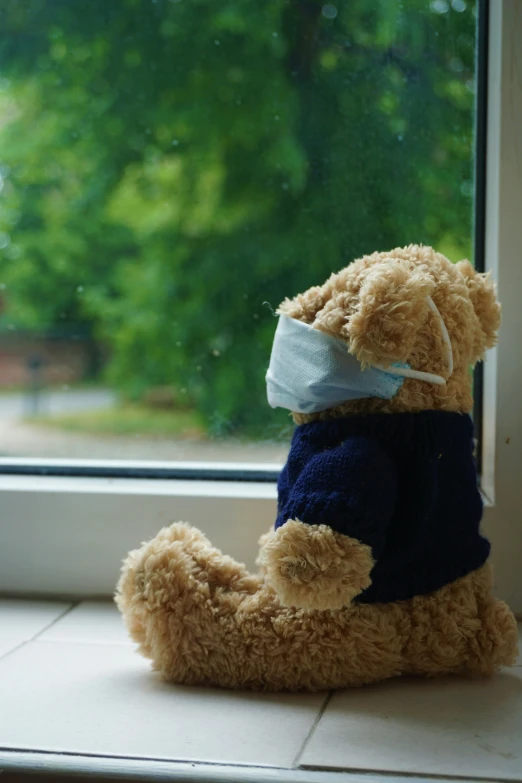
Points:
(80, 529)
(77, 700)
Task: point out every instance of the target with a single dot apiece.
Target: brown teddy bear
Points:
(376, 566)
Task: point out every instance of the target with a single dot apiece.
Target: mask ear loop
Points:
(419, 375)
(445, 336)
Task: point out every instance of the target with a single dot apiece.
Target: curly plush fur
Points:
(314, 567)
(383, 315)
(203, 619)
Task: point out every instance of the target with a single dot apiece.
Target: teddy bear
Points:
(375, 566)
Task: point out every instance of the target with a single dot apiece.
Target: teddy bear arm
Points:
(332, 530)
(315, 567)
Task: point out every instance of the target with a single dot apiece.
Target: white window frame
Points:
(502, 409)
(67, 535)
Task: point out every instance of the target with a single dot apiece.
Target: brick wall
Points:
(61, 360)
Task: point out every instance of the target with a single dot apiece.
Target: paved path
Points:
(21, 439)
(17, 405)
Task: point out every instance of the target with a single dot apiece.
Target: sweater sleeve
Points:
(351, 488)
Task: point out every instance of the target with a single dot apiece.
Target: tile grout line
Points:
(23, 642)
(13, 649)
(326, 702)
(57, 619)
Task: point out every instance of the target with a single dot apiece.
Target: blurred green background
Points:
(172, 169)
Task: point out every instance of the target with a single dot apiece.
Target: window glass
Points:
(172, 169)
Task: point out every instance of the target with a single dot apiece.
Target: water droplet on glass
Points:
(5, 239)
(399, 138)
(458, 5)
(215, 352)
(276, 116)
(329, 11)
(275, 35)
(456, 64)
(217, 43)
(439, 6)
(285, 185)
(80, 289)
(174, 142)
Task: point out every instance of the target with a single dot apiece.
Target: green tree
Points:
(170, 167)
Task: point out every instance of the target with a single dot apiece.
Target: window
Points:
(171, 171)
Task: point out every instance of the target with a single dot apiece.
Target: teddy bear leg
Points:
(314, 650)
(178, 596)
(202, 619)
(460, 628)
(495, 643)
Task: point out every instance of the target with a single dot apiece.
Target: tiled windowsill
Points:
(76, 698)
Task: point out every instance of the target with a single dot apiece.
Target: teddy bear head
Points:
(382, 306)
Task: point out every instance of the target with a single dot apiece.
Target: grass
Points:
(25, 388)
(128, 419)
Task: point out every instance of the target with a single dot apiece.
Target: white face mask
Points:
(311, 371)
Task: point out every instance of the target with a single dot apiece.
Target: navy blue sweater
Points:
(405, 484)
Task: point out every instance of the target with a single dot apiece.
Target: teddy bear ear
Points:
(482, 293)
(304, 307)
(391, 308)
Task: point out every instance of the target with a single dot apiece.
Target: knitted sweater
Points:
(405, 484)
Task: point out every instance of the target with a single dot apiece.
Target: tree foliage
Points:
(171, 166)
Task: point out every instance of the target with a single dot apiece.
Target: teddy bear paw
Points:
(314, 567)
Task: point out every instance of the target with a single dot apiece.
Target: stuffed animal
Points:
(375, 566)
